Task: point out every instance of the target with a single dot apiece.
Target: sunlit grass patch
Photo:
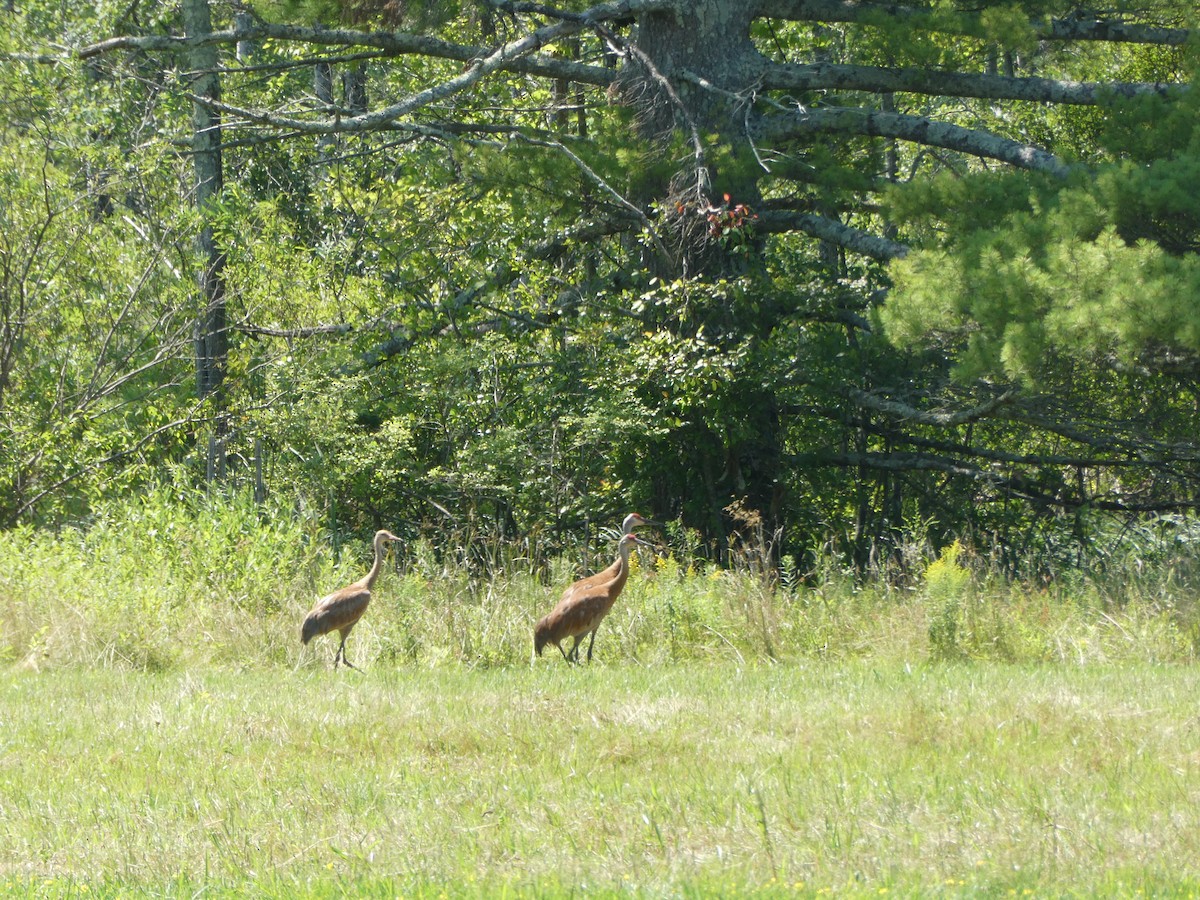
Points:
(850, 778)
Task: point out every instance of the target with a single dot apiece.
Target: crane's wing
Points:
(581, 612)
(339, 610)
(591, 581)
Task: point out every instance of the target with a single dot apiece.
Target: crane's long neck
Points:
(623, 571)
(377, 566)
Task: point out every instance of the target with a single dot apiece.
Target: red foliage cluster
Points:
(724, 218)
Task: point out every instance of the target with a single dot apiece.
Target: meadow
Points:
(163, 732)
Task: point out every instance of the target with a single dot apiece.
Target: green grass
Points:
(164, 733)
(852, 778)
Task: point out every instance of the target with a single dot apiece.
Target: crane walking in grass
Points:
(341, 610)
(584, 605)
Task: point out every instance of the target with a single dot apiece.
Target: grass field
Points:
(976, 779)
(164, 733)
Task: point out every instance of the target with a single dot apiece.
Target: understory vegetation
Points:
(171, 582)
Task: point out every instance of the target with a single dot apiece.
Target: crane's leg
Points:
(592, 641)
(574, 657)
(341, 653)
(563, 652)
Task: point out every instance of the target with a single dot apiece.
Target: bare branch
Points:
(478, 69)
(827, 76)
(1078, 27)
(387, 44)
(310, 331)
(554, 247)
(918, 129)
(926, 417)
(1083, 28)
(853, 239)
(44, 59)
(396, 43)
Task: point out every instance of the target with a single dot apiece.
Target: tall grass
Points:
(164, 581)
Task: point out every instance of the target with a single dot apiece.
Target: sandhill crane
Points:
(342, 609)
(583, 606)
(632, 521)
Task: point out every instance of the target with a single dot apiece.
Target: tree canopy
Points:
(835, 272)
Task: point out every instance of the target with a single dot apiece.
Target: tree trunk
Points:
(709, 59)
(354, 90)
(323, 89)
(211, 333)
(245, 49)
